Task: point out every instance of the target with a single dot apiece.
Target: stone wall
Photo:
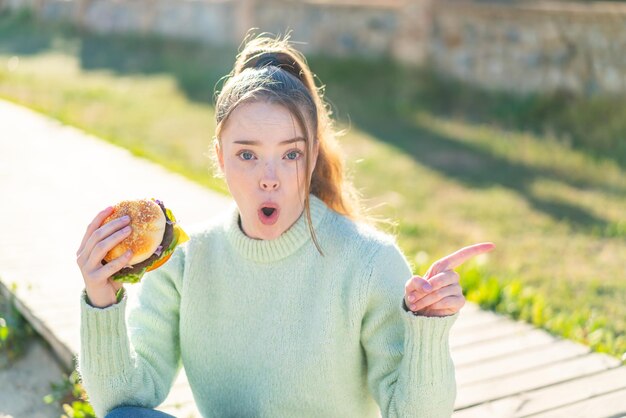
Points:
(508, 45)
(210, 21)
(339, 27)
(526, 47)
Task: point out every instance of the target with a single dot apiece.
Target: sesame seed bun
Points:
(147, 221)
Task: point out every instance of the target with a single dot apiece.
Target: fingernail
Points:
(128, 253)
(413, 307)
(126, 218)
(126, 229)
(411, 298)
(427, 287)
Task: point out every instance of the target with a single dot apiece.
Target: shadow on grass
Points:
(476, 168)
(385, 107)
(19, 36)
(196, 67)
(375, 93)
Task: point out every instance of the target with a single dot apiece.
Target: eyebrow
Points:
(287, 141)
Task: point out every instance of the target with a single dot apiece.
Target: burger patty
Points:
(168, 235)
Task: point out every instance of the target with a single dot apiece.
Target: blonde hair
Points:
(271, 70)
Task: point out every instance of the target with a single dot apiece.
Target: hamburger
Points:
(153, 238)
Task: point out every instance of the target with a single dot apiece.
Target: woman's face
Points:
(262, 156)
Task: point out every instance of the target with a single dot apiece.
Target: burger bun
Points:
(147, 222)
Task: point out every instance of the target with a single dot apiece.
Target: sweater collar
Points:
(264, 251)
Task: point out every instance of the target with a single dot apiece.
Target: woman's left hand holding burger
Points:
(98, 240)
(438, 292)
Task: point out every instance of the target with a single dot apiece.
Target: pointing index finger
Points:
(459, 257)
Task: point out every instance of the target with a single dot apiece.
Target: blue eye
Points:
(293, 155)
(246, 155)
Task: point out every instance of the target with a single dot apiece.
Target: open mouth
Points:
(268, 211)
(268, 214)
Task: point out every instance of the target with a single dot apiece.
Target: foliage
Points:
(71, 397)
(15, 332)
(587, 326)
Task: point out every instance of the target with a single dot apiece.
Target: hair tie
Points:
(266, 60)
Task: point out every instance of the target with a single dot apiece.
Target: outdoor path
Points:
(28, 380)
(54, 179)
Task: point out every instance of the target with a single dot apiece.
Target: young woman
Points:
(291, 304)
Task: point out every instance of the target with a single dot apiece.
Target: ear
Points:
(220, 154)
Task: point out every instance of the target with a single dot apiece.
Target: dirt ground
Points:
(24, 384)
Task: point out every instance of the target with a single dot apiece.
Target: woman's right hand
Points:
(97, 242)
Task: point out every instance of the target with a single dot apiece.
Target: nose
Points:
(269, 184)
(269, 181)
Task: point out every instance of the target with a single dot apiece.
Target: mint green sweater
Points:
(273, 328)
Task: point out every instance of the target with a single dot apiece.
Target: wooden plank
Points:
(553, 397)
(610, 405)
(516, 363)
(181, 410)
(471, 307)
(59, 318)
(495, 389)
(472, 320)
(181, 379)
(489, 350)
(55, 310)
(496, 330)
(40, 299)
(460, 329)
(178, 394)
(179, 401)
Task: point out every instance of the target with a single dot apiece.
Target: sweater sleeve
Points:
(133, 361)
(410, 372)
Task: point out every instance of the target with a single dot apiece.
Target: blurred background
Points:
(465, 121)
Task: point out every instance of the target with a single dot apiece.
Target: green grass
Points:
(541, 176)
(15, 332)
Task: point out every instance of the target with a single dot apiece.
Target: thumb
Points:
(418, 286)
(116, 285)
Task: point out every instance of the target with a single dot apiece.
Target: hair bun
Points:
(267, 59)
(283, 61)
